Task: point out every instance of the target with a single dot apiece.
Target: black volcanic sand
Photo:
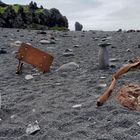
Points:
(48, 98)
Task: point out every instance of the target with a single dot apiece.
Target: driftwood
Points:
(124, 69)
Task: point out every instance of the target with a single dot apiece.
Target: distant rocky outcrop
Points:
(78, 26)
(30, 16)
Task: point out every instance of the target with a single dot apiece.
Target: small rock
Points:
(113, 59)
(47, 41)
(44, 41)
(76, 46)
(41, 32)
(16, 44)
(128, 50)
(138, 46)
(32, 129)
(77, 106)
(71, 66)
(104, 44)
(13, 116)
(3, 51)
(68, 50)
(138, 123)
(28, 77)
(68, 54)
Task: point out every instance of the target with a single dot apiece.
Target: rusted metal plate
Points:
(35, 57)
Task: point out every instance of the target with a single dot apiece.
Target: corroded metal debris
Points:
(33, 56)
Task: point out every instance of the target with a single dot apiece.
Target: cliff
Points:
(30, 16)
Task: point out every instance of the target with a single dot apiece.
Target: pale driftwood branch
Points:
(124, 69)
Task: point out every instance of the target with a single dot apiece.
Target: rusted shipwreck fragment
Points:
(33, 56)
(129, 96)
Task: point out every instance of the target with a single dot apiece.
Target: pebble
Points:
(138, 123)
(76, 46)
(71, 66)
(68, 54)
(77, 106)
(47, 41)
(44, 41)
(3, 51)
(113, 59)
(32, 129)
(16, 44)
(28, 77)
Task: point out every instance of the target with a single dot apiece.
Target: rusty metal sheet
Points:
(35, 57)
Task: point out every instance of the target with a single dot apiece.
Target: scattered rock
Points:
(3, 51)
(71, 66)
(16, 44)
(66, 54)
(32, 129)
(47, 41)
(114, 60)
(41, 32)
(104, 44)
(138, 123)
(29, 77)
(77, 106)
(128, 50)
(76, 46)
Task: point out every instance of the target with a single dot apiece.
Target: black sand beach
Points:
(48, 99)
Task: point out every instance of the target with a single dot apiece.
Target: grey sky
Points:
(95, 14)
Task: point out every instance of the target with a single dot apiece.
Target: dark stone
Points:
(78, 26)
(3, 51)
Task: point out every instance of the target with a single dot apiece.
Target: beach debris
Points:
(33, 56)
(29, 77)
(3, 51)
(129, 96)
(78, 26)
(77, 106)
(32, 129)
(103, 55)
(71, 66)
(124, 69)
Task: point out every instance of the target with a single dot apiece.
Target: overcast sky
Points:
(95, 14)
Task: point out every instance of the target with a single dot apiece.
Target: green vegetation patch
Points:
(2, 9)
(58, 28)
